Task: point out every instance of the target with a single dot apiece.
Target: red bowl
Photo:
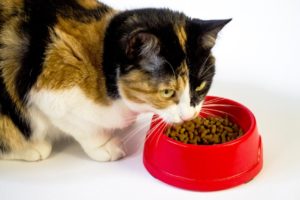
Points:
(207, 167)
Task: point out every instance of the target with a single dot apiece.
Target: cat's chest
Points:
(117, 115)
(113, 116)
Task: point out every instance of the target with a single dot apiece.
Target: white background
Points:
(257, 65)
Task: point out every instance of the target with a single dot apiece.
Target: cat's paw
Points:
(112, 150)
(33, 152)
(36, 151)
(43, 148)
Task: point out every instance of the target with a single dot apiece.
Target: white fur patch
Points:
(74, 113)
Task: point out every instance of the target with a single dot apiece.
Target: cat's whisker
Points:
(139, 117)
(205, 76)
(217, 99)
(154, 130)
(160, 134)
(219, 111)
(134, 132)
(139, 144)
(134, 119)
(202, 66)
(162, 126)
(130, 121)
(138, 129)
(156, 126)
(207, 113)
(169, 64)
(219, 105)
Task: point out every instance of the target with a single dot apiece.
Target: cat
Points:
(83, 69)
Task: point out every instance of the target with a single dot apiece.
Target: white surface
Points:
(257, 65)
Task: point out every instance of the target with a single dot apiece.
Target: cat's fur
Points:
(81, 68)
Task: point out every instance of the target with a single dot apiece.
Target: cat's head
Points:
(164, 61)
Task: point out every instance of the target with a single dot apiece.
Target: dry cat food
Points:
(210, 130)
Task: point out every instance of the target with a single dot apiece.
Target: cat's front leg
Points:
(101, 146)
(89, 123)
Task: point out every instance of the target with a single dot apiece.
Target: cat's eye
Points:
(201, 86)
(167, 93)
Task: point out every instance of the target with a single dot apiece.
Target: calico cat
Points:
(82, 69)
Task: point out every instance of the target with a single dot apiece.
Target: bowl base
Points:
(206, 185)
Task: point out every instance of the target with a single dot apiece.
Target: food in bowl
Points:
(205, 131)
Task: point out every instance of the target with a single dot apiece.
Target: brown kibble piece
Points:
(205, 131)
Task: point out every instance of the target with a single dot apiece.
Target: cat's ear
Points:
(141, 44)
(209, 31)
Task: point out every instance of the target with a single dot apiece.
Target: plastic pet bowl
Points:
(207, 167)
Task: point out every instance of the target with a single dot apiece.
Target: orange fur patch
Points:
(181, 34)
(10, 136)
(10, 7)
(89, 4)
(141, 88)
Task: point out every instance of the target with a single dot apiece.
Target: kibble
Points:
(205, 131)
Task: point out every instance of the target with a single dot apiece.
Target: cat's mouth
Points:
(177, 120)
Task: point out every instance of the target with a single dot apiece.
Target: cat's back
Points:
(28, 31)
(67, 8)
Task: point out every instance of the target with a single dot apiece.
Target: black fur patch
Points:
(71, 9)
(8, 108)
(1, 18)
(41, 16)
(4, 148)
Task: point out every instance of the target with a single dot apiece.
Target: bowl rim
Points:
(244, 137)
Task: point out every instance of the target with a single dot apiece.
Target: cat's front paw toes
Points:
(34, 151)
(112, 150)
